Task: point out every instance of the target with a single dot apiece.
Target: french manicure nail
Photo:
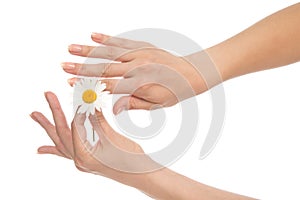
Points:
(97, 36)
(75, 48)
(68, 66)
(120, 110)
(71, 81)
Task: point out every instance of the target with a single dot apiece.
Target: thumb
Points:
(102, 127)
(131, 102)
(80, 144)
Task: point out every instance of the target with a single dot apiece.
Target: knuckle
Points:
(145, 87)
(90, 51)
(106, 70)
(59, 145)
(83, 69)
(110, 52)
(132, 103)
(123, 43)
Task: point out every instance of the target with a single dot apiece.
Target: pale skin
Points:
(270, 43)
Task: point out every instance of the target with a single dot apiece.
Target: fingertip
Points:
(46, 95)
(72, 81)
(75, 48)
(119, 106)
(98, 114)
(32, 115)
(68, 66)
(41, 150)
(97, 36)
(117, 111)
(49, 95)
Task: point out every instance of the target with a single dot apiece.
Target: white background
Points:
(257, 155)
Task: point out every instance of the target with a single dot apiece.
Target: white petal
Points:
(91, 109)
(103, 87)
(94, 81)
(86, 84)
(87, 113)
(98, 104)
(78, 101)
(76, 105)
(97, 87)
(81, 82)
(78, 92)
(98, 108)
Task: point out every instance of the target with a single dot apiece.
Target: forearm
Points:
(166, 184)
(270, 43)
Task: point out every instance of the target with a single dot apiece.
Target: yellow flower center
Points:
(89, 96)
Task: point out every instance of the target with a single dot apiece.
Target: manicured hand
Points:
(150, 76)
(113, 156)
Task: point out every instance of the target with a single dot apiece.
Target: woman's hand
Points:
(152, 77)
(113, 156)
(117, 157)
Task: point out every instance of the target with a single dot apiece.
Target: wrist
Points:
(209, 74)
(221, 60)
(158, 184)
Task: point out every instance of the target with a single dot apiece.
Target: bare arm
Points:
(166, 184)
(272, 42)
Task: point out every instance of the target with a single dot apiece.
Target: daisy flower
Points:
(89, 95)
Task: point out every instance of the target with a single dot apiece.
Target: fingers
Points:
(78, 122)
(51, 150)
(51, 131)
(105, 52)
(119, 86)
(80, 143)
(119, 42)
(103, 129)
(46, 125)
(114, 86)
(96, 70)
(62, 129)
(131, 102)
(98, 120)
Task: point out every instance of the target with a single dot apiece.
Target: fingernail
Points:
(40, 151)
(97, 36)
(71, 81)
(68, 66)
(120, 110)
(75, 48)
